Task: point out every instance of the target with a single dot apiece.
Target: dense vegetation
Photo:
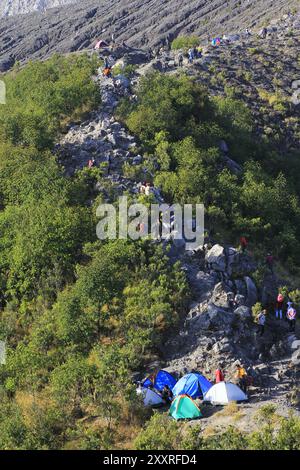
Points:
(181, 128)
(79, 316)
(275, 433)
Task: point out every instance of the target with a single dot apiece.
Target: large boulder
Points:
(252, 296)
(220, 296)
(243, 312)
(219, 317)
(216, 258)
(202, 284)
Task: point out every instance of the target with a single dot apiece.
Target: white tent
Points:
(150, 397)
(223, 393)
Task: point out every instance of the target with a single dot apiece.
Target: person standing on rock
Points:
(291, 316)
(279, 306)
(261, 319)
(243, 244)
(241, 376)
(191, 55)
(180, 60)
(106, 64)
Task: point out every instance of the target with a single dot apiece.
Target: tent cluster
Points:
(185, 391)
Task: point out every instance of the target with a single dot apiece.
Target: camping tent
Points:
(194, 385)
(183, 407)
(223, 393)
(150, 397)
(100, 44)
(159, 380)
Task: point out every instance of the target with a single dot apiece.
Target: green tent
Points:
(183, 407)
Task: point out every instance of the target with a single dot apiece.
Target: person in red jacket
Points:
(243, 244)
(279, 306)
(220, 376)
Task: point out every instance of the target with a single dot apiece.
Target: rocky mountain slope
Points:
(214, 331)
(18, 7)
(137, 22)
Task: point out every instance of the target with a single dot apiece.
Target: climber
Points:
(106, 64)
(241, 376)
(291, 316)
(263, 33)
(243, 244)
(270, 262)
(279, 305)
(219, 375)
(148, 189)
(91, 163)
(231, 301)
(199, 52)
(261, 320)
(191, 55)
(107, 72)
(180, 60)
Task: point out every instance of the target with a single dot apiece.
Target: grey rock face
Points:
(17, 7)
(134, 21)
(216, 258)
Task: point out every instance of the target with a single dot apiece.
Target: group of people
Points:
(241, 377)
(290, 317)
(291, 312)
(192, 54)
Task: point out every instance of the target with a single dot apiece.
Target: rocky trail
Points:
(214, 330)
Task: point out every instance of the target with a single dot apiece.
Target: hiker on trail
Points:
(191, 55)
(91, 163)
(279, 306)
(167, 394)
(219, 375)
(106, 64)
(291, 316)
(148, 189)
(107, 72)
(263, 33)
(180, 60)
(241, 376)
(270, 262)
(231, 300)
(247, 32)
(243, 244)
(261, 320)
(199, 52)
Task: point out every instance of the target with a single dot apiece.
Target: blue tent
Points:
(159, 380)
(194, 385)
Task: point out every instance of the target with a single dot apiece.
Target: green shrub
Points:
(185, 42)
